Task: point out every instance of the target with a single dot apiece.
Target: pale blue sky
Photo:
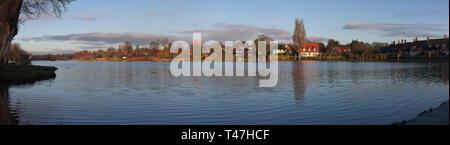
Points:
(90, 24)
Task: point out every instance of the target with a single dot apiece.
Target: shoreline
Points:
(436, 116)
(10, 75)
(280, 60)
(432, 116)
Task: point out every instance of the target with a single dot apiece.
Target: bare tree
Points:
(11, 10)
(111, 52)
(125, 50)
(159, 44)
(18, 55)
(299, 36)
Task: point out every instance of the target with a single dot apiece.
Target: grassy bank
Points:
(15, 74)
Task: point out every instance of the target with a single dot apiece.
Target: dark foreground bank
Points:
(436, 116)
(11, 74)
(432, 116)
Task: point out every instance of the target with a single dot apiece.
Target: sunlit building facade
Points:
(309, 50)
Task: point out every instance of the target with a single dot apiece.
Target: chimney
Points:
(398, 41)
(445, 36)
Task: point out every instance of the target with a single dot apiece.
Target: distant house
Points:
(309, 50)
(282, 49)
(342, 49)
(279, 51)
(423, 47)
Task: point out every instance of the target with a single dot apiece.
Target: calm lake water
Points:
(318, 93)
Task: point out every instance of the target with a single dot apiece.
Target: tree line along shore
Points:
(435, 49)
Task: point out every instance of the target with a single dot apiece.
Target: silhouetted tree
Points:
(332, 44)
(359, 47)
(322, 47)
(376, 47)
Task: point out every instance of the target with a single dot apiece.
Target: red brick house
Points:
(309, 50)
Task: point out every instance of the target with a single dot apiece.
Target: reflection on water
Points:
(307, 93)
(299, 82)
(5, 113)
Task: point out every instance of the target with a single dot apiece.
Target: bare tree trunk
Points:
(9, 19)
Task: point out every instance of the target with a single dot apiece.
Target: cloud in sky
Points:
(399, 30)
(87, 15)
(220, 32)
(101, 39)
(233, 32)
(51, 51)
